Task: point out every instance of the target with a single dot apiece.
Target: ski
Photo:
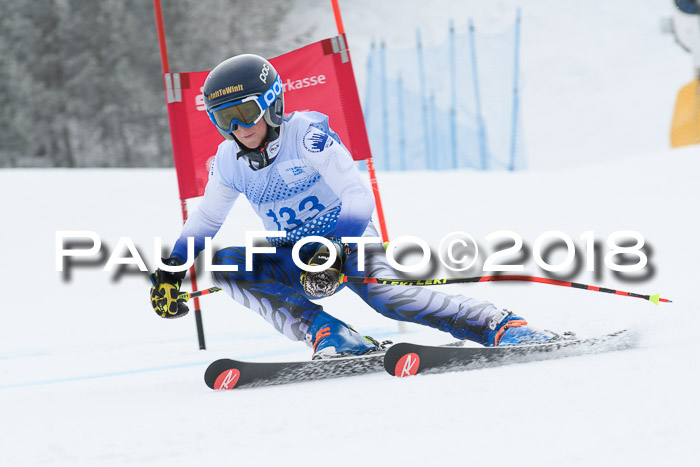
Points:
(405, 359)
(226, 374)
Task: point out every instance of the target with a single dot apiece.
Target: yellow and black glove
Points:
(325, 283)
(165, 291)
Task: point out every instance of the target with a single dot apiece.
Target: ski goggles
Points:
(245, 112)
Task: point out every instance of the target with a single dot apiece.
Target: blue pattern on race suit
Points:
(320, 226)
(288, 194)
(273, 289)
(298, 193)
(294, 195)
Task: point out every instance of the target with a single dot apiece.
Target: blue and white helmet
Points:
(240, 91)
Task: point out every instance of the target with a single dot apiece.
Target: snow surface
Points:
(89, 376)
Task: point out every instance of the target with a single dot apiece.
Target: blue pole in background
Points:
(516, 66)
(401, 122)
(385, 107)
(483, 151)
(368, 94)
(433, 128)
(368, 85)
(453, 96)
(424, 102)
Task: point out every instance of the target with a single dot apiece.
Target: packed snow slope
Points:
(89, 375)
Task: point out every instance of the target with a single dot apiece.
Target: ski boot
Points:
(507, 329)
(331, 338)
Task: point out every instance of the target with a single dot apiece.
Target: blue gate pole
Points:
(424, 102)
(368, 85)
(483, 151)
(401, 122)
(453, 96)
(368, 94)
(433, 128)
(516, 66)
(385, 107)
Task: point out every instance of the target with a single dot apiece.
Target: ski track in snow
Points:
(89, 376)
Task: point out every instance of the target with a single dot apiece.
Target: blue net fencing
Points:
(452, 105)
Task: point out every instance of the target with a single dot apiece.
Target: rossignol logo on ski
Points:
(227, 379)
(407, 365)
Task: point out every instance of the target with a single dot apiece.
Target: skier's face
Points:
(252, 137)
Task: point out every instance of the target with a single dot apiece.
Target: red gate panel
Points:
(316, 77)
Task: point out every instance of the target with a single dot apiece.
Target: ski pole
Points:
(655, 298)
(461, 280)
(187, 295)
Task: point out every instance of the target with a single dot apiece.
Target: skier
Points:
(301, 180)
